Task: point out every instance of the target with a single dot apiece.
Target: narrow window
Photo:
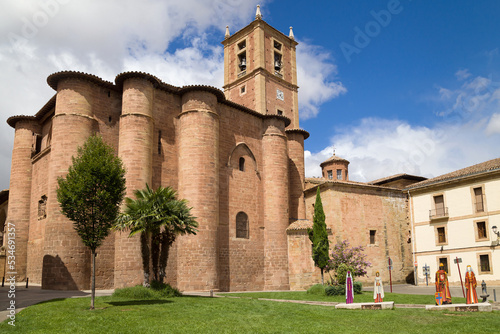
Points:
(478, 195)
(242, 90)
(339, 174)
(278, 63)
(242, 61)
(109, 119)
(242, 164)
(372, 237)
(484, 262)
(42, 208)
(481, 230)
(280, 112)
(159, 143)
(330, 175)
(444, 261)
(242, 225)
(441, 235)
(242, 45)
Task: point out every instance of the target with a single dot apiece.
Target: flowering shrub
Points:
(344, 258)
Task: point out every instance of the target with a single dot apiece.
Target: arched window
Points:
(242, 225)
(242, 164)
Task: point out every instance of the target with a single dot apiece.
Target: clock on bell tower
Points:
(260, 70)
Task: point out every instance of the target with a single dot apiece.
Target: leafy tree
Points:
(319, 236)
(159, 217)
(91, 193)
(345, 258)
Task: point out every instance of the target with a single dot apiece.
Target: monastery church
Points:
(236, 155)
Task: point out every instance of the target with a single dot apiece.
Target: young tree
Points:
(344, 258)
(159, 217)
(319, 236)
(91, 193)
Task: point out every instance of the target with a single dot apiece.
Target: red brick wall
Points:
(20, 191)
(198, 147)
(276, 204)
(351, 212)
(136, 151)
(66, 262)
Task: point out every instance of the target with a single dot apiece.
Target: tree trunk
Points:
(322, 280)
(166, 241)
(93, 281)
(145, 258)
(155, 252)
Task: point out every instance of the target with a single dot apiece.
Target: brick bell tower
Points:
(260, 70)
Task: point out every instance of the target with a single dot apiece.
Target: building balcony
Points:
(438, 213)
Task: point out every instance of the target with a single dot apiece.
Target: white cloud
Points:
(317, 79)
(106, 38)
(468, 133)
(462, 74)
(493, 126)
(167, 38)
(377, 148)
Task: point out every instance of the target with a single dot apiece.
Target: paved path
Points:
(25, 297)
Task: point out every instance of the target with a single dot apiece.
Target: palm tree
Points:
(159, 217)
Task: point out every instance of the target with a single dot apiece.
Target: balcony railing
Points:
(438, 213)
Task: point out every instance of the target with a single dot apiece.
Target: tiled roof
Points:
(481, 168)
(301, 224)
(321, 180)
(397, 177)
(334, 158)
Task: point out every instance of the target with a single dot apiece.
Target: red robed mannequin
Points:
(442, 284)
(470, 286)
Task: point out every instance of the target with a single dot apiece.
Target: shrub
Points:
(339, 290)
(156, 291)
(317, 289)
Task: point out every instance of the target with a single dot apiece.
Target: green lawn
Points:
(228, 315)
(362, 298)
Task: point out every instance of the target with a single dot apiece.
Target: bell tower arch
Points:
(260, 70)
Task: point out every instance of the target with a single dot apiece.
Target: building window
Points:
(242, 225)
(243, 90)
(280, 113)
(242, 164)
(439, 210)
(484, 264)
(372, 237)
(42, 208)
(242, 62)
(481, 231)
(159, 143)
(441, 235)
(444, 261)
(478, 199)
(330, 175)
(277, 45)
(242, 45)
(339, 174)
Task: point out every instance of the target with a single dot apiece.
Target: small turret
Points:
(335, 168)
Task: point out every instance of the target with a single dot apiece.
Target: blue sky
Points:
(421, 96)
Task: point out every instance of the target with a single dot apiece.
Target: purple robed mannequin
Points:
(349, 293)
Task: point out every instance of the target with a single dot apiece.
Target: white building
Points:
(453, 216)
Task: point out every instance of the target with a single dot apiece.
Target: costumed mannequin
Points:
(470, 286)
(378, 289)
(442, 286)
(349, 293)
